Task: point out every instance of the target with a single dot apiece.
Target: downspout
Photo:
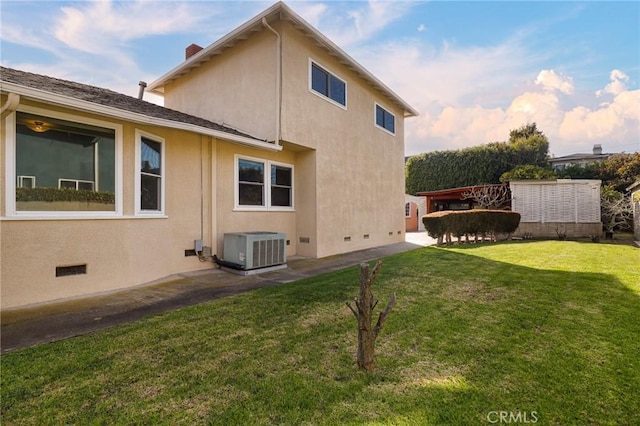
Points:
(11, 104)
(278, 79)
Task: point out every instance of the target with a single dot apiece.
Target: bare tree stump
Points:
(365, 303)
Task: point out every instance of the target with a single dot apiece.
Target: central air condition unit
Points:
(252, 250)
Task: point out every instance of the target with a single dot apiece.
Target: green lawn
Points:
(547, 331)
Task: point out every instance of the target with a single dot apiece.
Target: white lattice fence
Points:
(562, 201)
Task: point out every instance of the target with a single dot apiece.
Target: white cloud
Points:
(616, 125)
(104, 25)
(422, 28)
(311, 12)
(616, 86)
(551, 80)
(618, 120)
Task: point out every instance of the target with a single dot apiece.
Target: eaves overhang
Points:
(278, 11)
(50, 98)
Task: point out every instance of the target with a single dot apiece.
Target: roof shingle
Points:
(108, 98)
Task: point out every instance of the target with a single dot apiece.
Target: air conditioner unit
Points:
(252, 250)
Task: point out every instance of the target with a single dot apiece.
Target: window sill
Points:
(79, 217)
(385, 130)
(328, 99)
(264, 209)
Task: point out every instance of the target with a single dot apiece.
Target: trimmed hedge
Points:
(470, 222)
(63, 194)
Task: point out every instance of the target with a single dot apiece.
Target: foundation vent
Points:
(64, 271)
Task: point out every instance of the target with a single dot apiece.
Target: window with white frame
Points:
(263, 184)
(327, 84)
(63, 164)
(150, 173)
(26, 181)
(385, 120)
(407, 210)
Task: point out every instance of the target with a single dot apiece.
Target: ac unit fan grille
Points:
(268, 252)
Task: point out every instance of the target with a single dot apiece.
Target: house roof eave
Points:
(276, 12)
(46, 97)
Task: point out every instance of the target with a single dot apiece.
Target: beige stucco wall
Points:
(349, 173)
(229, 219)
(236, 88)
(348, 187)
(119, 252)
(360, 168)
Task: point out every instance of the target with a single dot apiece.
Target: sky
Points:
(474, 70)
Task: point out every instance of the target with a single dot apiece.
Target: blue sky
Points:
(474, 70)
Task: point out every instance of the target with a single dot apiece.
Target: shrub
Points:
(63, 194)
(470, 222)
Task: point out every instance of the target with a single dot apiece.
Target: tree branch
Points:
(352, 310)
(383, 316)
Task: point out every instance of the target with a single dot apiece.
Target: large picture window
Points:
(263, 185)
(150, 173)
(328, 85)
(63, 166)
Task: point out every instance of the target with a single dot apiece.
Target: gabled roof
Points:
(579, 157)
(278, 11)
(109, 103)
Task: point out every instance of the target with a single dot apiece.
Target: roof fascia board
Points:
(281, 11)
(366, 74)
(69, 102)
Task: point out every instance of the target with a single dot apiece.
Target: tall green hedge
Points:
(478, 165)
(470, 222)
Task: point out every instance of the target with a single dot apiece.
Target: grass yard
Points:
(545, 332)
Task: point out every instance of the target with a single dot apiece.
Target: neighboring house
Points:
(414, 209)
(634, 190)
(549, 208)
(102, 191)
(580, 159)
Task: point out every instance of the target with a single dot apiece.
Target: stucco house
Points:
(580, 159)
(414, 209)
(272, 128)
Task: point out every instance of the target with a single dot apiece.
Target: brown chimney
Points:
(191, 50)
(597, 149)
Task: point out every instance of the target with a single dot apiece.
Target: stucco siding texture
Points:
(118, 252)
(232, 219)
(360, 169)
(349, 173)
(237, 88)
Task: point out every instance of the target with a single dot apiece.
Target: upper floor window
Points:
(262, 184)
(385, 120)
(328, 85)
(150, 173)
(62, 166)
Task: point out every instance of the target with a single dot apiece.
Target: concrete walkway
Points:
(50, 322)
